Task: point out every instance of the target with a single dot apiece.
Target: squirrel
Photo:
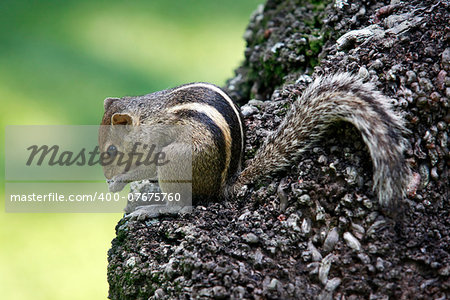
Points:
(217, 135)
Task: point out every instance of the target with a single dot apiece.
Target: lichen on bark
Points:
(331, 240)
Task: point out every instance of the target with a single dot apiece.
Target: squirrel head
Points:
(127, 149)
(132, 150)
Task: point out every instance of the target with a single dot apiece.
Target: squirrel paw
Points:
(145, 212)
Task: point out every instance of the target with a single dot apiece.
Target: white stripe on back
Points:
(221, 93)
(219, 121)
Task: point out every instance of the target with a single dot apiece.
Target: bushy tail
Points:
(327, 100)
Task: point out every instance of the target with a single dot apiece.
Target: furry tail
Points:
(327, 100)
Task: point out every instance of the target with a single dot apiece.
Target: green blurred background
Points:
(58, 61)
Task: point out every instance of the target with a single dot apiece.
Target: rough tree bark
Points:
(316, 231)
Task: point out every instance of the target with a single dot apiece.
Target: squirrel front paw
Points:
(145, 212)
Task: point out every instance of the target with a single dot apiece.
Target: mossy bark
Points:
(331, 240)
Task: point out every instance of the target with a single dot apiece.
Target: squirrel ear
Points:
(123, 119)
(108, 101)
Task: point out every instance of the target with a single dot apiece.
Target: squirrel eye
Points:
(112, 151)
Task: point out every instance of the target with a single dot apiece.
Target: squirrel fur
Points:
(217, 134)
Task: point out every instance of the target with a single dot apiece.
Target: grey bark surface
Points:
(316, 231)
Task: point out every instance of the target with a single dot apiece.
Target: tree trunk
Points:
(316, 231)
